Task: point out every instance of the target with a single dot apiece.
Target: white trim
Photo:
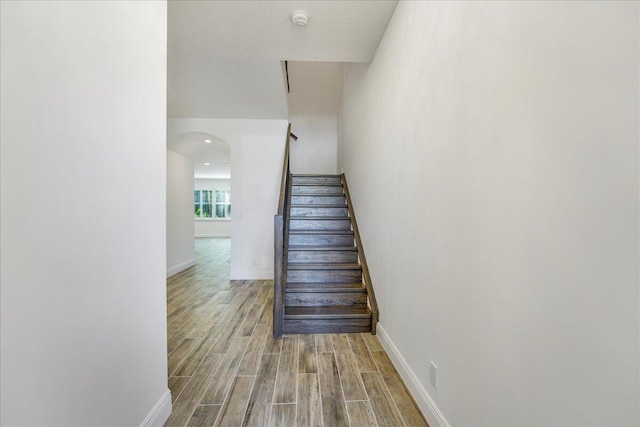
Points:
(212, 235)
(252, 275)
(425, 402)
(182, 266)
(159, 413)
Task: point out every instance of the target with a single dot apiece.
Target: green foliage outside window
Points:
(205, 206)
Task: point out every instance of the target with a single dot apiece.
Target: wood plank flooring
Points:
(225, 368)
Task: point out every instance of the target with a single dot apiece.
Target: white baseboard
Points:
(425, 402)
(160, 412)
(182, 266)
(252, 275)
(212, 235)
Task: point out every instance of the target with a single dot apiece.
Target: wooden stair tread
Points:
(322, 248)
(319, 218)
(327, 312)
(310, 175)
(320, 232)
(316, 184)
(322, 266)
(318, 205)
(325, 287)
(319, 195)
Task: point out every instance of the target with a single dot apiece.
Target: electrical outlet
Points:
(433, 374)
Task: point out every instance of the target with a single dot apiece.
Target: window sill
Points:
(212, 219)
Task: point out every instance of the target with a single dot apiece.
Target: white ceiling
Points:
(193, 145)
(224, 57)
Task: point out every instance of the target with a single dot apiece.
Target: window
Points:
(223, 204)
(205, 206)
(202, 201)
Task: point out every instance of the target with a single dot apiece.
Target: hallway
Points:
(226, 369)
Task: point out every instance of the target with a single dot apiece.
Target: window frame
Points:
(213, 204)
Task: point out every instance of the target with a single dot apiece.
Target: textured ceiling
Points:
(224, 57)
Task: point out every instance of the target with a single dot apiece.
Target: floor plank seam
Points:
(219, 338)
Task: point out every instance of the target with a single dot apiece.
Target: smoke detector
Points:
(300, 18)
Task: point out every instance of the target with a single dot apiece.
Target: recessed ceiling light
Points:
(207, 163)
(208, 141)
(228, 164)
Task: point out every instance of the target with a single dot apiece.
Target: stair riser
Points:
(323, 256)
(316, 180)
(326, 298)
(321, 240)
(319, 276)
(310, 190)
(318, 200)
(319, 211)
(320, 225)
(324, 326)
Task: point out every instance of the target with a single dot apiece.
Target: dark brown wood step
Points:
(336, 232)
(322, 248)
(316, 179)
(316, 175)
(315, 189)
(319, 223)
(327, 312)
(314, 254)
(319, 199)
(323, 275)
(321, 238)
(325, 296)
(325, 287)
(335, 211)
(327, 326)
(330, 319)
(323, 266)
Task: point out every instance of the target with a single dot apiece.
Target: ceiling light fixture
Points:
(207, 163)
(300, 18)
(207, 141)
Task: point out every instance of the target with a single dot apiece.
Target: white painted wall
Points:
(491, 149)
(83, 193)
(314, 100)
(213, 227)
(257, 151)
(180, 228)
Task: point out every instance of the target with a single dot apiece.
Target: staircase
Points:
(323, 286)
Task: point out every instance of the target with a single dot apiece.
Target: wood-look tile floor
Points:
(225, 368)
